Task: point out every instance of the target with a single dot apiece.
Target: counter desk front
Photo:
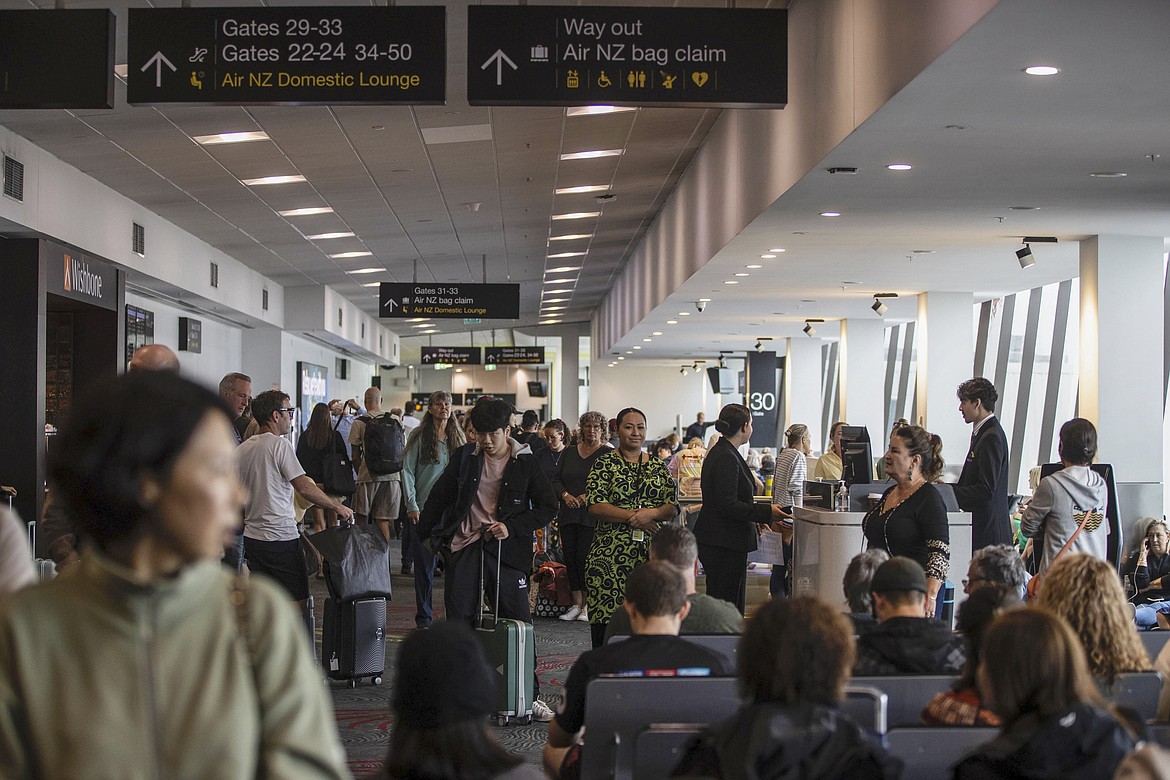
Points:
(824, 542)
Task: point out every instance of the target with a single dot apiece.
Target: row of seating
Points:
(636, 727)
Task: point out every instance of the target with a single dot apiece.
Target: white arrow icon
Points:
(391, 303)
(499, 58)
(158, 60)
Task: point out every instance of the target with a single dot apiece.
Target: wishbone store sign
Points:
(80, 277)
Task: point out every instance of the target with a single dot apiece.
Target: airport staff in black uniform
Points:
(982, 488)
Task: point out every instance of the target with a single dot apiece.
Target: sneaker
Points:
(406, 569)
(541, 711)
(572, 614)
(584, 616)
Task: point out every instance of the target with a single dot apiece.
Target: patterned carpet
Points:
(364, 715)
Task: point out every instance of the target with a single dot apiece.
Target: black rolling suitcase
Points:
(353, 639)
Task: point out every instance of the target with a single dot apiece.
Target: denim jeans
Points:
(1146, 615)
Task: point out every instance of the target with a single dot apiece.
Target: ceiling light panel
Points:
(582, 189)
(574, 214)
(230, 138)
(308, 212)
(594, 110)
(570, 237)
(349, 255)
(367, 270)
(326, 236)
(561, 255)
(593, 154)
(266, 180)
(564, 269)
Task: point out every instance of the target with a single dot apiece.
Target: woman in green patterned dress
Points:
(630, 493)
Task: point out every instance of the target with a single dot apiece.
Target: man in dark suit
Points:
(982, 488)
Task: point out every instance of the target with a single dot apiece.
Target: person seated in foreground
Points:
(996, 564)
(444, 690)
(795, 657)
(1086, 592)
(656, 604)
(1055, 723)
(856, 584)
(904, 641)
(963, 705)
(708, 615)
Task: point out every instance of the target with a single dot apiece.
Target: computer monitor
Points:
(537, 390)
(856, 458)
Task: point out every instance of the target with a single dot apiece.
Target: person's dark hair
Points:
(266, 404)
(319, 431)
(979, 389)
(927, 446)
(975, 615)
(732, 418)
(423, 436)
(858, 576)
(461, 751)
(663, 444)
(796, 651)
(903, 598)
(120, 432)
(490, 414)
(622, 415)
(1045, 681)
(675, 545)
(1000, 564)
(656, 588)
(558, 424)
(1078, 441)
(228, 383)
(530, 419)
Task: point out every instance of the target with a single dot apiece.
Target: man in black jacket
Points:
(982, 488)
(904, 641)
(488, 502)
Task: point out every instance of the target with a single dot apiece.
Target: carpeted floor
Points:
(364, 715)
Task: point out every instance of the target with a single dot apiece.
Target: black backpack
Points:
(383, 444)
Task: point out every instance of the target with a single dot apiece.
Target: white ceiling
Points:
(1027, 141)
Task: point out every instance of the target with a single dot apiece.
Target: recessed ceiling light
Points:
(306, 212)
(555, 300)
(367, 270)
(591, 110)
(755, 265)
(768, 256)
(418, 319)
(923, 251)
(1024, 208)
(324, 236)
(830, 213)
(560, 255)
(672, 322)
(705, 300)
(731, 281)
(1041, 70)
(637, 346)
(592, 154)
(347, 255)
(558, 281)
(549, 322)
(552, 308)
(230, 138)
(372, 284)
(899, 167)
(684, 314)
(581, 189)
(556, 292)
(777, 249)
(1108, 174)
(273, 180)
(422, 325)
(656, 333)
(647, 339)
(564, 269)
(577, 215)
(742, 273)
(621, 357)
(570, 237)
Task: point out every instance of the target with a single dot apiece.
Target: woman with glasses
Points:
(573, 519)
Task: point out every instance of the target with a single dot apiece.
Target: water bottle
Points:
(842, 498)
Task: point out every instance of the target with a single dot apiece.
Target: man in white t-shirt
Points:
(267, 466)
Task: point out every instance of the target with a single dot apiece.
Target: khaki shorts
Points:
(378, 500)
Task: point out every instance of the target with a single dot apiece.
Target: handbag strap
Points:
(1073, 538)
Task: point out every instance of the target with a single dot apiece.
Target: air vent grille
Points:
(139, 240)
(215, 274)
(13, 178)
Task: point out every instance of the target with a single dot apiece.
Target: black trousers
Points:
(726, 572)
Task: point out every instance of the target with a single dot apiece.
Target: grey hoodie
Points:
(1049, 516)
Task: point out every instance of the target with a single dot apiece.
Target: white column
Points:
(945, 342)
(862, 378)
(802, 387)
(1121, 363)
(568, 387)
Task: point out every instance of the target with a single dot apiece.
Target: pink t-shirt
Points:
(483, 508)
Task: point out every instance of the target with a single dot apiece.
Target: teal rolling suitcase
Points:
(511, 652)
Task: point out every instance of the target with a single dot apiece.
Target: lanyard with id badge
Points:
(637, 534)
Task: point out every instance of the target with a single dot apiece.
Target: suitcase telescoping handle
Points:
(482, 558)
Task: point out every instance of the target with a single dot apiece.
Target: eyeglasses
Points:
(289, 412)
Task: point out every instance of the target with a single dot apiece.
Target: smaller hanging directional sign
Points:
(455, 356)
(513, 356)
(404, 300)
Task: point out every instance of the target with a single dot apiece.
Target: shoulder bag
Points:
(337, 470)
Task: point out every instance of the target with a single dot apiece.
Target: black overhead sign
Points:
(57, 59)
(449, 301)
(571, 55)
(513, 356)
(326, 55)
(458, 356)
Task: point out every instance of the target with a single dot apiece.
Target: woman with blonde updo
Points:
(911, 519)
(1086, 592)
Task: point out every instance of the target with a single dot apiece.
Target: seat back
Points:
(930, 752)
(867, 707)
(1137, 690)
(724, 645)
(1154, 641)
(617, 709)
(658, 748)
(908, 694)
